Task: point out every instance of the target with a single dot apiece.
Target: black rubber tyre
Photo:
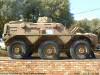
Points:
(49, 50)
(81, 50)
(22, 48)
(68, 54)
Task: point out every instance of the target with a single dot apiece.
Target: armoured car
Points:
(47, 38)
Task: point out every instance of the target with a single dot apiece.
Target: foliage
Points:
(84, 25)
(58, 10)
(92, 26)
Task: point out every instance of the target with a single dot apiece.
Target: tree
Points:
(84, 25)
(58, 10)
(95, 23)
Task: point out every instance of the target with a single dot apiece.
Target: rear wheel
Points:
(18, 49)
(81, 50)
(49, 50)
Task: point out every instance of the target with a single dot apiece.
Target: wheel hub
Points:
(82, 49)
(17, 49)
(50, 50)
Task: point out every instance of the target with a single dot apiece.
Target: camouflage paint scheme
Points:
(36, 33)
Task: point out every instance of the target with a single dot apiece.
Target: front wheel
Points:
(81, 50)
(18, 49)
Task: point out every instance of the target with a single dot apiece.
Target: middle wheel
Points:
(49, 50)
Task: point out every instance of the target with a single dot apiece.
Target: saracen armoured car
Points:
(48, 39)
